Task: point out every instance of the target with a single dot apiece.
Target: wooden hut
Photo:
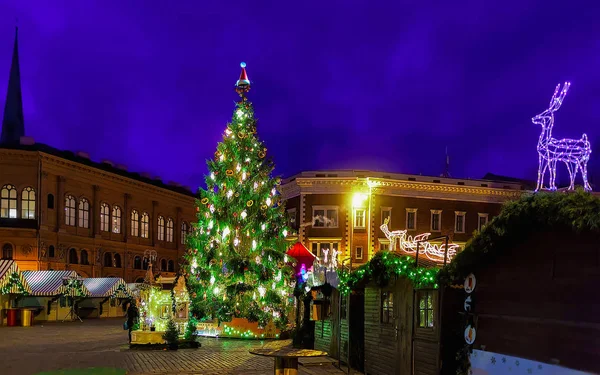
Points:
(106, 297)
(521, 297)
(12, 286)
(49, 294)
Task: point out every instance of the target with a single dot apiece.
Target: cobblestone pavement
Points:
(102, 343)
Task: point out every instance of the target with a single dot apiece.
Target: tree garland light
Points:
(575, 153)
(14, 280)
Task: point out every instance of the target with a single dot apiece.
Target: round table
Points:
(286, 359)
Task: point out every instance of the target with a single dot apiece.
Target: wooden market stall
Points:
(12, 287)
(107, 295)
(521, 297)
(51, 298)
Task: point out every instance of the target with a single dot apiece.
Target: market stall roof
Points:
(7, 268)
(49, 283)
(107, 287)
(298, 250)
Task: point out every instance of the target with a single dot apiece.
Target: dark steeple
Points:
(13, 124)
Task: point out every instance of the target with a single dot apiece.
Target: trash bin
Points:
(11, 317)
(26, 316)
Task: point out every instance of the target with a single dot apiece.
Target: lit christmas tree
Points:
(237, 264)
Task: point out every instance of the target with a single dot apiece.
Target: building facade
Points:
(62, 211)
(344, 210)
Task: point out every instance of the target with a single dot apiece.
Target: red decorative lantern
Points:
(302, 255)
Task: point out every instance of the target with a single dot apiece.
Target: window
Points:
(359, 252)
(384, 245)
(70, 210)
(8, 202)
(161, 228)
(84, 213)
(319, 247)
(436, 220)
(386, 213)
(459, 222)
(425, 311)
(84, 258)
(163, 265)
(135, 223)
(7, 251)
(171, 266)
(292, 218)
(108, 260)
(50, 201)
(359, 218)
(104, 217)
(28, 203)
(137, 263)
(184, 231)
(169, 230)
(411, 219)
(387, 307)
(145, 263)
(51, 251)
(145, 225)
(325, 217)
(117, 261)
(482, 221)
(73, 258)
(116, 219)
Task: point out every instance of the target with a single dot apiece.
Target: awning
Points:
(7, 269)
(49, 283)
(107, 287)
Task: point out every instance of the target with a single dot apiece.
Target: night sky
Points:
(149, 84)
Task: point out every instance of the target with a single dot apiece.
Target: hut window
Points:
(84, 258)
(108, 260)
(359, 252)
(116, 217)
(7, 251)
(161, 228)
(73, 258)
(482, 221)
(325, 217)
(163, 265)
(425, 317)
(169, 230)
(104, 217)
(117, 261)
(28, 203)
(459, 222)
(84, 213)
(145, 263)
(386, 213)
(8, 202)
(70, 210)
(359, 218)
(436, 220)
(387, 307)
(145, 224)
(411, 218)
(137, 263)
(171, 266)
(135, 223)
(50, 202)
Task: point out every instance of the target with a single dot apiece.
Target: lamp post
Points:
(71, 283)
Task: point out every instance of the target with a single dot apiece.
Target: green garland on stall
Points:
(12, 281)
(385, 265)
(576, 211)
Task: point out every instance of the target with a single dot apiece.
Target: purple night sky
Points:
(150, 84)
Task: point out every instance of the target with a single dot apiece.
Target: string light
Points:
(244, 214)
(261, 291)
(226, 232)
(575, 153)
(409, 244)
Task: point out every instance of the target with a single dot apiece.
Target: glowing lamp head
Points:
(359, 199)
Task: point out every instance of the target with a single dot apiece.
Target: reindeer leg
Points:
(586, 184)
(572, 174)
(541, 171)
(552, 171)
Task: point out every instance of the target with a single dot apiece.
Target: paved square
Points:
(102, 343)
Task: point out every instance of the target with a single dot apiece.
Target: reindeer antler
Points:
(556, 102)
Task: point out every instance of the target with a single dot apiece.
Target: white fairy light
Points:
(278, 277)
(212, 280)
(273, 285)
(285, 258)
(226, 232)
(257, 259)
(408, 244)
(255, 185)
(240, 114)
(210, 224)
(261, 291)
(575, 153)
(268, 201)
(285, 233)
(216, 290)
(263, 226)
(244, 214)
(227, 131)
(243, 175)
(247, 160)
(254, 295)
(238, 167)
(273, 191)
(229, 193)
(211, 208)
(283, 293)
(236, 241)
(222, 157)
(253, 244)
(212, 176)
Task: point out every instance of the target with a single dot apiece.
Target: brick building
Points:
(60, 210)
(321, 205)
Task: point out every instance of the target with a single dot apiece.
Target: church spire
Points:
(13, 124)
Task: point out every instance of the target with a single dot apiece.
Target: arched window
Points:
(145, 263)
(116, 219)
(137, 263)
(8, 202)
(170, 230)
(51, 251)
(84, 213)
(145, 224)
(50, 201)
(184, 231)
(117, 261)
(7, 251)
(108, 260)
(73, 259)
(163, 264)
(70, 210)
(161, 228)
(104, 217)
(28, 203)
(135, 223)
(84, 257)
(171, 266)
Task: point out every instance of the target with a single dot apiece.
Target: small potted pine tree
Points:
(171, 335)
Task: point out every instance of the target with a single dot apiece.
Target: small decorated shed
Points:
(106, 297)
(50, 295)
(12, 286)
(521, 297)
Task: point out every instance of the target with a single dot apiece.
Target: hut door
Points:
(426, 336)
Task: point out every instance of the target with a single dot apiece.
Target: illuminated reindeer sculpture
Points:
(575, 153)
